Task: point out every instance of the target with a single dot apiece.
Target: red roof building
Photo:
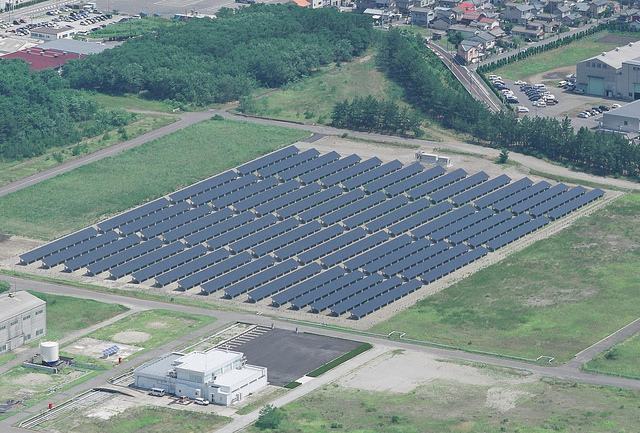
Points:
(40, 59)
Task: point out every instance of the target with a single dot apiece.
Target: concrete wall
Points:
(22, 328)
(614, 122)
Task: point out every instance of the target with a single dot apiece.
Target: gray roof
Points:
(76, 47)
(11, 45)
(632, 109)
(563, 8)
(600, 2)
(614, 58)
(12, 304)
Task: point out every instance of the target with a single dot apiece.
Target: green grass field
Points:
(132, 102)
(554, 298)
(66, 314)
(622, 359)
(93, 192)
(567, 56)
(10, 171)
(447, 406)
(147, 419)
(312, 99)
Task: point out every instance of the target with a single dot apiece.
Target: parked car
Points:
(522, 109)
(201, 401)
(539, 103)
(582, 115)
(603, 108)
(520, 83)
(615, 106)
(578, 91)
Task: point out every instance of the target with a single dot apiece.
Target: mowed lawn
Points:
(554, 298)
(566, 56)
(104, 188)
(312, 99)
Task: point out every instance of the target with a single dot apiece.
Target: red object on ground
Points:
(50, 406)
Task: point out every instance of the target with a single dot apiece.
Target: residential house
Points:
(440, 24)
(404, 6)
(470, 16)
(421, 16)
(469, 51)
(458, 12)
(492, 23)
(448, 3)
(497, 33)
(466, 32)
(486, 40)
(517, 13)
(574, 19)
(528, 33)
(563, 11)
(583, 8)
(629, 15)
(598, 7)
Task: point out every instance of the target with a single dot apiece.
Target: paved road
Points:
(568, 371)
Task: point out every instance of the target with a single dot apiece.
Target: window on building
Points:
(599, 65)
(27, 317)
(15, 322)
(39, 332)
(39, 312)
(3, 327)
(27, 337)
(3, 348)
(626, 123)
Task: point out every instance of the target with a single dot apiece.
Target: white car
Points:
(520, 83)
(586, 113)
(615, 106)
(522, 109)
(582, 115)
(539, 103)
(201, 401)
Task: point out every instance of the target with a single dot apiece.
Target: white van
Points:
(158, 392)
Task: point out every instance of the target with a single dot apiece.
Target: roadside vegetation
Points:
(623, 359)
(93, 192)
(554, 298)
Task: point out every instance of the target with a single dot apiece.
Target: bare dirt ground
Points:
(131, 337)
(92, 347)
(13, 246)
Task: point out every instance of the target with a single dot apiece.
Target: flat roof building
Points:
(22, 319)
(220, 376)
(623, 119)
(615, 74)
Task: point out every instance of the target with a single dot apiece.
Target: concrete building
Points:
(624, 119)
(50, 34)
(23, 318)
(220, 376)
(615, 74)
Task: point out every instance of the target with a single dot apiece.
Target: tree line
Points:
(208, 61)
(430, 87)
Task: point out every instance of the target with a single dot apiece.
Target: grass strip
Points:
(588, 183)
(344, 358)
(292, 385)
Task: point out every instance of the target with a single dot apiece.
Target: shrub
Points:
(270, 417)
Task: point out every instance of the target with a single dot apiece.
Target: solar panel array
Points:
(332, 234)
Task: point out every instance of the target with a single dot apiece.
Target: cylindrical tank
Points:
(49, 352)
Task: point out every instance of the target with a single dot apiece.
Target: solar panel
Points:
(79, 249)
(385, 299)
(57, 245)
(287, 199)
(480, 190)
(556, 201)
(351, 172)
(191, 267)
(203, 186)
(354, 249)
(308, 166)
(433, 262)
(283, 282)
(517, 233)
(443, 221)
(124, 256)
(399, 266)
(241, 194)
(102, 252)
(288, 163)
(436, 184)
(577, 203)
(219, 228)
(260, 278)
(237, 274)
(375, 211)
(330, 169)
(169, 263)
(419, 218)
(309, 202)
(453, 265)
(362, 297)
(505, 192)
(497, 230)
(394, 177)
(225, 189)
(479, 227)
(308, 242)
(146, 260)
(398, 214)
(531, 202)
(244, 231)
(133, 214)
(214, 271)
(354, 208)
(399, 254)
(414, 181)
(112, 350)
(199, 224)
(267, 160)
(331, 205)
(312, 283)
(458, 187)
(372, 175)
(268, 195)
(343, 293)
(154, 218)
(294, 235)
(461, 224)
(518, 197)
(332, 245)
(178, 221)
(318, 293)
(377, 252)
(264, 235)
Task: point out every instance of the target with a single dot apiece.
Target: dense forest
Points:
(369, 114)
(206, 61)
(39, 111)
(430, 87)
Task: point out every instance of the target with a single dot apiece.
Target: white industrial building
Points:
(220, 376)
(624, 119)
(23, 318)
(614, 74)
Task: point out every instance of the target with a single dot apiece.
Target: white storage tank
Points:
(49, 351)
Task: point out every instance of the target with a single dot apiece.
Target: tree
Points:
(270, 417)
(504, 155)
(455, 38)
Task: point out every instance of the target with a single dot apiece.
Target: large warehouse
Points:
(220, 376)
(22, 319)
(624, 119)
(615, 74)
